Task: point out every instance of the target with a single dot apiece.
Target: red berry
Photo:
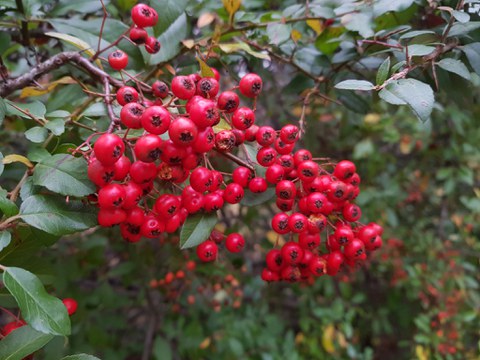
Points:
(111, 196)
(257, 185)
(343, 234)
(251, 133)
(126, 94)
(291, 274)
(144, 16)
(152, 45)
(183, 131)
(309, 241)
(286, 190)
(225, 140)
(204, 113)
(234, 243)
(316, 202)
(207, 87)
(280, 223)
(183, 87)
(243, 118)
(118, 60)
(318, 266)
(111, 216)
(307, 171)
(334, 260)
(274, 173)
(351, 212)
(297, 222)
(8, 328)
(233, 193)
(108, 149)
(207, 251)
(251, 85)
(266, 135)
(71, 305)
(100, 174)
(301, 156)
(160, 89)
(344, 170)
(138, 35)
(242, 176)
(148, 148)
(167, 205)
(213, 201)
(205, 141)
(266, 156)
(228, 101)
(269, 276)
(355, 250)
(156, 120)
(152, 227)
(274, 260)
(216, 236)
(143, 172)
(131, 115)
(201, 179)
(122, 168)
(133, 194)
(292, 253)
(289, 134)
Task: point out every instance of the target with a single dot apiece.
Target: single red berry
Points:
(235, 243)
(351, 212)
(269, 276)
(126, 94)
(201, 179)
(152, 45)
(142, 172)
(152, 227)
(285, 205)
(343, 234)
(133, 194)
(108, 149)
(251, 133)
(144, 16)
(183, 87)
(242, 176)
(266, 135)
(292, 253)
(337, 191)
(287, 162)
(233, 193)
(258, 185)
(355, 250)
(354, 180)
(334, 260)
(274, 173)
(216, 236)
(301, 156)
(207, 251)
(225, 140)
(251, 85)
(205, 140)
(309, 241)
(280, 223)
(118, 60)
(111, 196)
(286, 190)
(138, 35)
(266, 156)
(122, 168)
(291, 274)
(131, 115)
(156, 120)
(173, 154)
(297, 222)
(148, 148)
(183, 131)
(228, 101)
(160, 89)
(204, 113)
(316, 202)
(213, 202)
(318, 266)
(316, 223)
(111, 216)
(289, 134)
(167, 205)
(71, 305)
(307, 171)
(282, 147)
(274, 260)
(344, 170)
(243, 118)
(207, 87)
(100, 174)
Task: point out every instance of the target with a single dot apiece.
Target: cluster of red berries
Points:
(170, 176)
(69, 303)
(143, 16)
(319, 201)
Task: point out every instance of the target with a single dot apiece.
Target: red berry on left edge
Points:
(118, 60)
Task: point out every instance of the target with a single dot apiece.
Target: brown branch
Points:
(382, 43)
(108, 102)
(54, 63)
(25, 32)
(236, 159)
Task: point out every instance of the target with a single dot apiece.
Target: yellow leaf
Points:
(205, 343)
(222, 125)
(372, 119)
(232, 6)
(205, 70)
(422, 354)
(17, 158)
(316, 25)
(188, 43)
(274, 238)
(295, 35)
(327, 339)
(35, 91)
(205, 19)
(236, 47)
(78, 43)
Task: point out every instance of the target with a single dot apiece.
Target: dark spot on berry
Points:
(117, 152)
(118, 201)
(186, 137)
(284, 194)
(128, 97)
(108, 176)
(283, 224)
(339, 193)
(231, 104)
(154, 154)
(256, 87)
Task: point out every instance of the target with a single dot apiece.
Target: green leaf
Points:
(168, 12)
(197, 229)
(418, 96)
(382, 6)
(56, 126)
(252, 199)
(64, 174)
(278, 33)
(416, 33)
(383, 71)
(361, 85)
(455, 66)
(472, 51)
(459, 29)
(390, 98)
(35, 108)
(40, 310)
(36, 134)
(3, 111)
(363, 149)
(170, 40)
(162, 349)
(461, 16)
(54, 216)
(80, 357)
(360, 22)
(236, 47)
(7, 207)
(419, 50)
(23, 342)
(5, 238)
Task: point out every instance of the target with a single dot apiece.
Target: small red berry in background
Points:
(71, 305)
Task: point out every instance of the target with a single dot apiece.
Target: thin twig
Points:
(236, 159)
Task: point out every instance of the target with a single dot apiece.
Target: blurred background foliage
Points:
(417, 298)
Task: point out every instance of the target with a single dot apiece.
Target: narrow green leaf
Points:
(383, 71)
(197, 229)
(461, 16)
(53, 215)
(5, 238)
(36, 134)
(455, 66)
(23, 342)
(64, 174)
(80, 357)
(40, 310)
(418, 96)
(361, 85)
(416, 33)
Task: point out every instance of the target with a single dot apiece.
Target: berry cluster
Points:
(143, 16)
(169, 176)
